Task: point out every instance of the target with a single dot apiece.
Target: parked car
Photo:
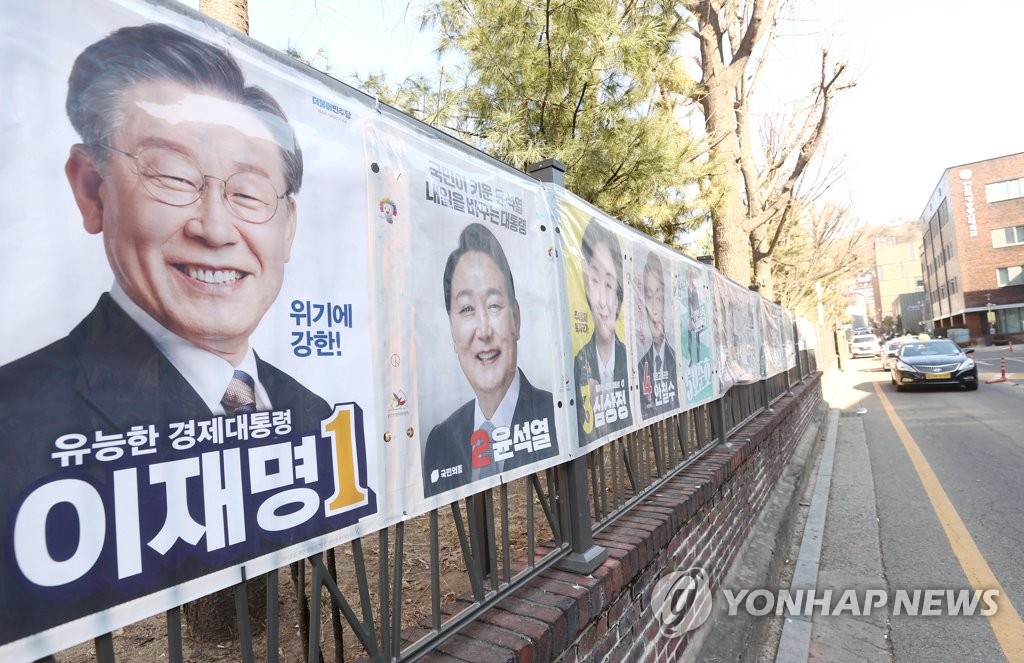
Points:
(865, 345)
(935, 362)
(889, 351)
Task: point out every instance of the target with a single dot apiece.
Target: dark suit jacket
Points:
(648, 405)
(586, 369)
(105, 375)
(448, 442)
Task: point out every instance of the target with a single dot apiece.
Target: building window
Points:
(1008, 321)
(953, 289)
(1007, 237)
(1010, 276)
(1004, 190)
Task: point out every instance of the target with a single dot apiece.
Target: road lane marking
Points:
(1006, 622)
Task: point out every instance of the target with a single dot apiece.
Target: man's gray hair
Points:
(105, 70)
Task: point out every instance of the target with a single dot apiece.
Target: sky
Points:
(937, 80)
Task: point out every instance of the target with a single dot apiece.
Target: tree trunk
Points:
(234, 13)
(763, 278)
(212, 618)
(732, 245)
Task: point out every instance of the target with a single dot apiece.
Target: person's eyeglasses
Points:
(175, 179)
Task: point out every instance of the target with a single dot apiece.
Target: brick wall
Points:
(699, 518)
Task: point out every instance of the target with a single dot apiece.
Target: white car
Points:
(890, 351)
(865, 345)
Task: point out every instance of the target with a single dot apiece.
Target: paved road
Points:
(935, 459)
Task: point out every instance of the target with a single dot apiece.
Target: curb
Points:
(761, 558)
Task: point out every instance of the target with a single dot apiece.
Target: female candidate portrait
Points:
(600, 367)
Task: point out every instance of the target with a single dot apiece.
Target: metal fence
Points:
(403, 591)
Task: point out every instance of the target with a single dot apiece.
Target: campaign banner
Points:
(697, 333)
(489, 392)
(789, 337)
(738, 349)
(600, 306)
(772, 337)
(807, 334)
(185, 398)
(652, 276)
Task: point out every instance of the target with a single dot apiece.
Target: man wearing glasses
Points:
(189, 175)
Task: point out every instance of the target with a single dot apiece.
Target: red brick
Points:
(626, 556)
(438, 657)
(620, 652)
(590, 637)
(610, 575)
(567, 606)
(545, 614)
(537, 632)
(593, 586)
(522, 647)
(473, 650)
(579, 594)
(604, 645)
(642, 546)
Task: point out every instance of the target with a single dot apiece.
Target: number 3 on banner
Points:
(341, 430)
(588, 409)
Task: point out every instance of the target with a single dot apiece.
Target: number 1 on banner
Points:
(341, 430)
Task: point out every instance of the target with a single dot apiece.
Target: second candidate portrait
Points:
(509, 422)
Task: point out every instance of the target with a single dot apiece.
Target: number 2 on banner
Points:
(480, 445)
(341, 430)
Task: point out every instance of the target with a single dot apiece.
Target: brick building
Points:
(973, 249)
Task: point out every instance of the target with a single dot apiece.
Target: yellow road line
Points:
(1006, 623)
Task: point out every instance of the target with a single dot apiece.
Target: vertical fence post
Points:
(718, 420)
(586, 555)
(574, 507)
(551, 171)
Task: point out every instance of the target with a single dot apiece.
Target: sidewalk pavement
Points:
(840, 548)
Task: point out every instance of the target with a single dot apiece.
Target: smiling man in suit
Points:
(657, 370)
(189, 174)
(509, 422)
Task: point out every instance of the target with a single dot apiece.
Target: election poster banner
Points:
(807, 334)
(489, 388)
(772, 337)
(738, 325)
(697, 333)
(599, 306)
(655, 327)
(788, 337)
(185, 398)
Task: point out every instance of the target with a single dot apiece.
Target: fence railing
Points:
(405, 590)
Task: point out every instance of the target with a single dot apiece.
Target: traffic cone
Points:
(1011, 344)
(1002, 372)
